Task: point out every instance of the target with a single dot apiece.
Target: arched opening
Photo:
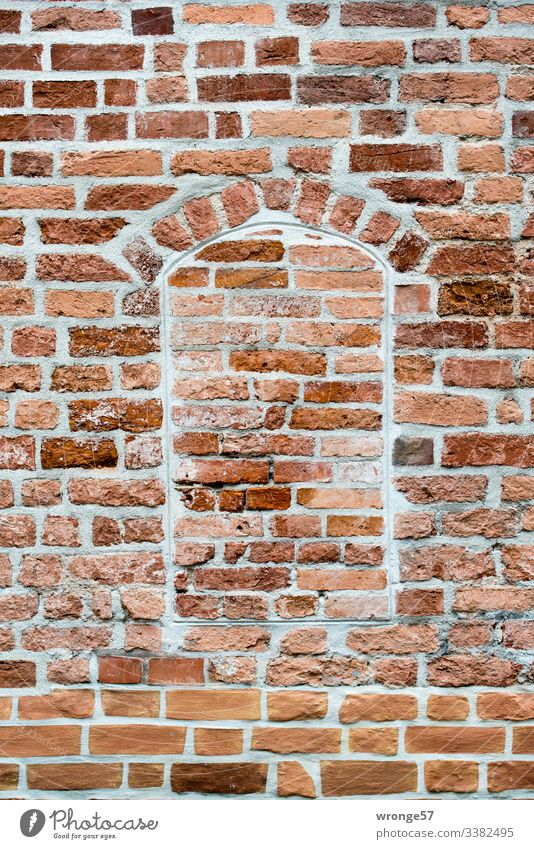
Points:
(277, 355)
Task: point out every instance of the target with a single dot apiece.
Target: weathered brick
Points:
(516, 51)
(459, 740)
(395, 639)
(449, 87)
(301, 123)
(279, 346)
(350, 778)
(230, 778)
(213, 705)
(254, 14)
(377, 708)
(40, 741)
(136, 739)
(423, 191)
(510, 775)
(366, 53)
(85, 57)
(74, 776)
(222, 162)
(244, 87)
(451, 776)
(74, 19)
(157, 20)
(466, 670)
(395, 157)
(63, 95)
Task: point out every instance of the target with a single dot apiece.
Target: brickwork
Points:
(290, 324)
(267, 368)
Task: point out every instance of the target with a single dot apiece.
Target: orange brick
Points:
(218, 741)
(130, 702)
(74, 776)
(454, 739)
(370, 778)
(213, 704)
(136, 740)
(30, 741)
(286, 740)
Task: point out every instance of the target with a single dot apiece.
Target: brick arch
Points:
(311, 202)
(364, 603)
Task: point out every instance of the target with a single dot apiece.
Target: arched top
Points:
(311, 203)
(270, 221)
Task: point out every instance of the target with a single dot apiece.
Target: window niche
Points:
(277, 345)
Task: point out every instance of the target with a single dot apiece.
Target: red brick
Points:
(106, 127)
(516, 51)
(442, 334)
(395, 157)
(424, 191)
(470, 260)
(14, 57)
(59, 94)
(157, 20)
(119, 670)
(11, 231)
(179, 670)
(488, 449)
(228, 125)
(467, 670)
(118, 92)
(244, 87)
(141, 775)
(86, 57)
(447, 708)
(238, 778)
(437, 50)
(395, 639)
(218, 741)
(283, 50)
(74, 776)
(220, 54)
(155, 125)
(130, 196)
(467, 17)
(77, 639)
(36, 128)
(342, 89)
(307, 14)
(449, 87)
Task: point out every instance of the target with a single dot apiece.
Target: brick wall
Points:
(267, 368)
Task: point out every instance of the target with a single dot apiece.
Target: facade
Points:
(267, 368)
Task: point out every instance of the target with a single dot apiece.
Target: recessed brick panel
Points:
(267, 372)
(263, 404)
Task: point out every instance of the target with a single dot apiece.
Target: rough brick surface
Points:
(291, 459)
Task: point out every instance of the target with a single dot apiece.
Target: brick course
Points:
(266, 441)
